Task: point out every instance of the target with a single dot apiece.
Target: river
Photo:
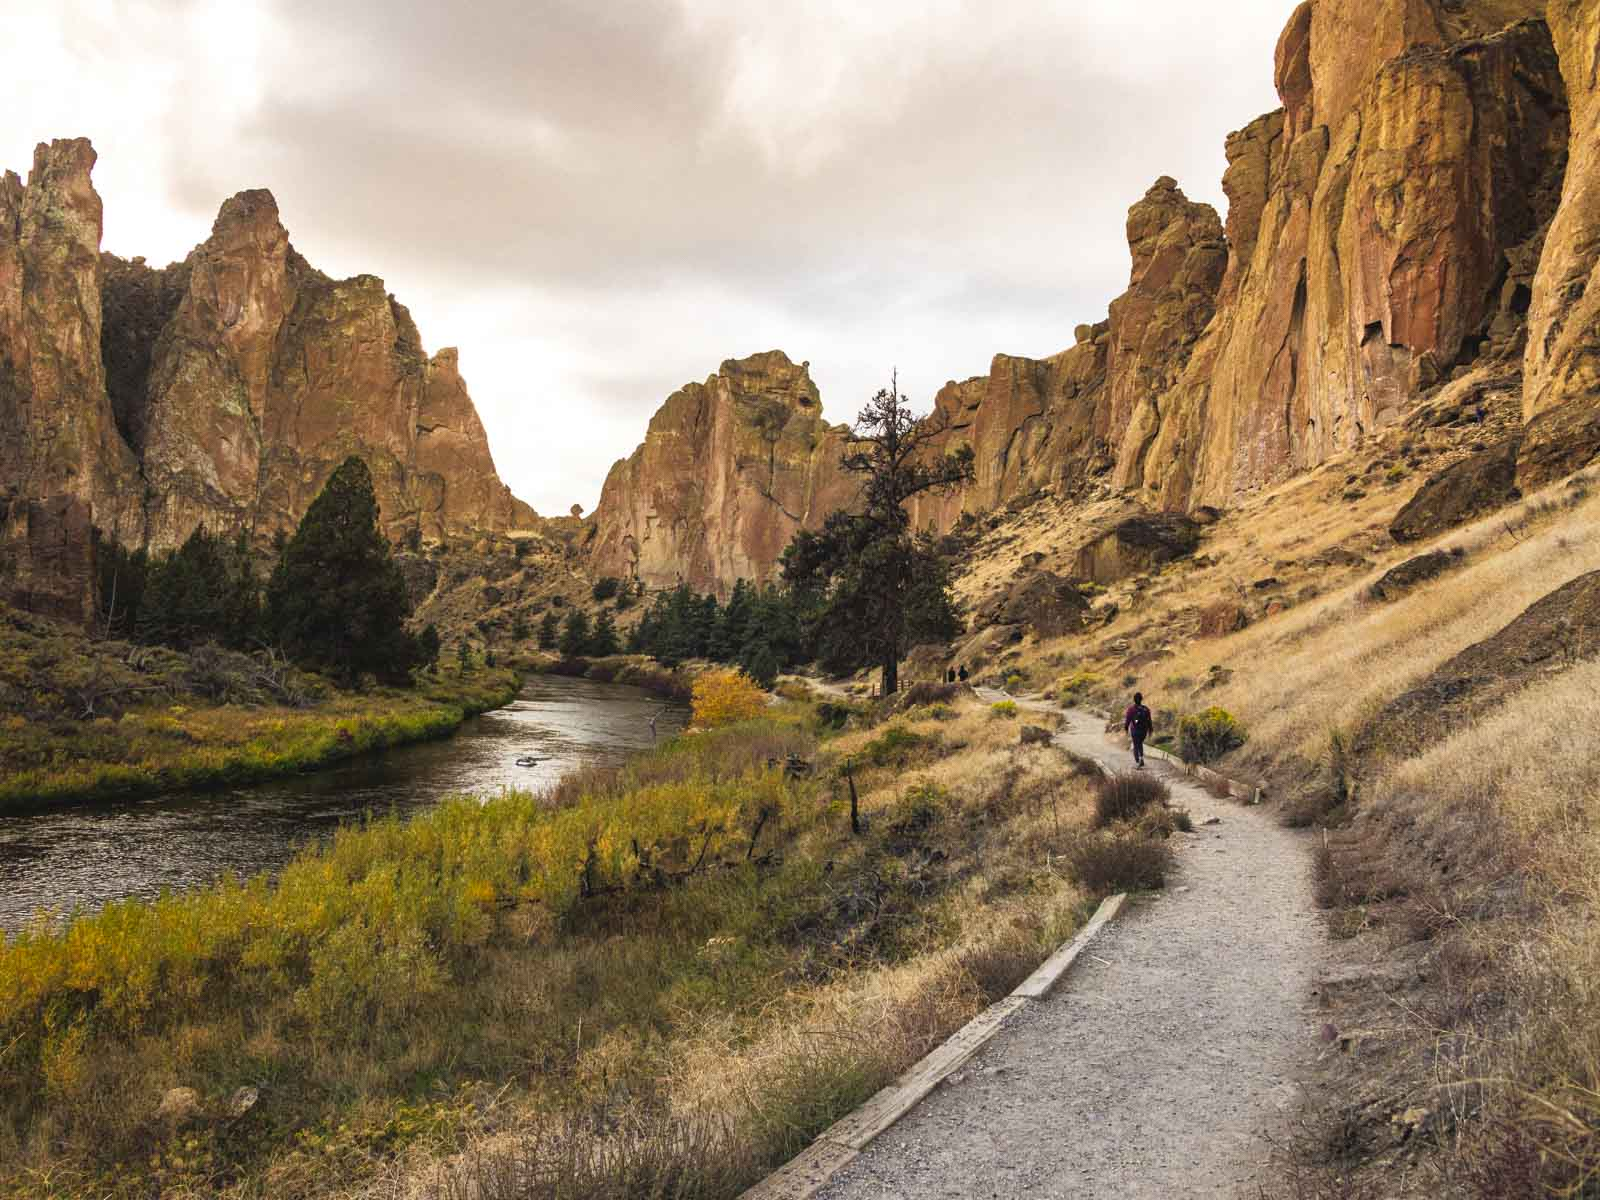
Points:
(88, 856)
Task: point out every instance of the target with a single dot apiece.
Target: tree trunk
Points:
(891, 675)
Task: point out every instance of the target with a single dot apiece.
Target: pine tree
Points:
(337, 601)
(574, 634)
(603, 641)
(872, 589)
(549, 630)
(428, 645)
(189, 595)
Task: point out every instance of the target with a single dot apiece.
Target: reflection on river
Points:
(92, 855)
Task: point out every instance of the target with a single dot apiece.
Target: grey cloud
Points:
(920, 194)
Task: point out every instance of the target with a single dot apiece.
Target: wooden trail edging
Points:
(804, 1175)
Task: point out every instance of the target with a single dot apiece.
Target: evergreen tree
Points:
(549, 630)
(871, 588)
(734, 623)
(575, 634)
(428, 645)
(242, 602)
(202, 592)
(603, 641)
(337, 601)
(121, 586)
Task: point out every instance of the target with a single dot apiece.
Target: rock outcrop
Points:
(1563, 357)
(1420, 149)
(1139, 543)
(1470, 488)
(729, 470)
(224, 390)
(268, 374)
(61, 456)
(1553, 633)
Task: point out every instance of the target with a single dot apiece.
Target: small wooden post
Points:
(855, 805)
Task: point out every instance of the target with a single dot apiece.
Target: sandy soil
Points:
(1166, 1064)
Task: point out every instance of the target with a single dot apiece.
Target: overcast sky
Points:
(599, 202)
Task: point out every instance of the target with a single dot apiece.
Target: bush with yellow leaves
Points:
(726, 697)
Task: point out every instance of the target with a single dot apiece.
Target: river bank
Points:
(89, 721)
(80, 858)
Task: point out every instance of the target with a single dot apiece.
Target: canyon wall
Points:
(1406, 222)
(221, 390)
(728, 471)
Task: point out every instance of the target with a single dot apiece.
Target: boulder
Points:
(1401, 579)
(1137, 544)
(1222, 618)
(1552, 634)
(1046, 603)
(1461, 492)
(1558, 442)
(178, 1106)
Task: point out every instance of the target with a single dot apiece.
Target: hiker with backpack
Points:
(1137, 723)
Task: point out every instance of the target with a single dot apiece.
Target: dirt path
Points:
(1165, 1064)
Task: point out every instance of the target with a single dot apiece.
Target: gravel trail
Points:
(1165, 1063)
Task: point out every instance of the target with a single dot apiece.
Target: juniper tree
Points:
(337, 601)
(549, 630)
(872, 588)
(575, 634)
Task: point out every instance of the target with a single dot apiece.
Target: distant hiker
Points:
(653, 717)
(962, 674)
(950, 675)
(1138, 722)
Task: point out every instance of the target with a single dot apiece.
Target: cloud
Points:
(601, 202)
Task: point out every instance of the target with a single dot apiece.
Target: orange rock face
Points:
(269, 374)
(1563, 358)
(61, 456)
(727, 473)
(1419, 148)
(1384, 231)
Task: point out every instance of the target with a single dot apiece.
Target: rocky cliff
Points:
(1419, 224)
(728, 470)
(223, 389)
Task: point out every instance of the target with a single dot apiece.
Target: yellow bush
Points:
(724, 697)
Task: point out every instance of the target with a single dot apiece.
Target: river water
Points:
(88, 856)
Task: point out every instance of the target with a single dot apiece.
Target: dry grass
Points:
(1484, 854)
(1336, 660)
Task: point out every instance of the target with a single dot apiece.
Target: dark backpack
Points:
(1142, 722)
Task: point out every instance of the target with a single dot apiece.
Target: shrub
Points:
(929, 693)
(1206, 736)
(724, 697)
(896, 746)
(1004, 710)
(606, 587)
(794, 689)
(1124, 797)
(1078, 685)
(1103, 863)
(835, 715)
